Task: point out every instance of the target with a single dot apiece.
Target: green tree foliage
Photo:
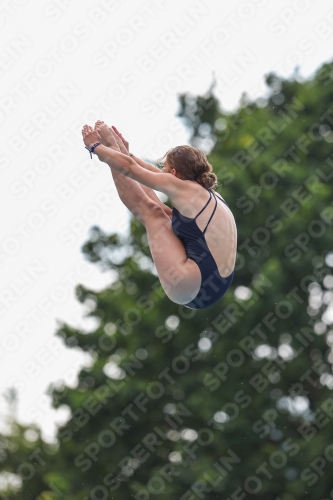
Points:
(234, 401)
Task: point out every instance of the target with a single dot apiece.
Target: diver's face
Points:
(166, 167)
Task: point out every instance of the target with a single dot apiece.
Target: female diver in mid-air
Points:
(194, 245)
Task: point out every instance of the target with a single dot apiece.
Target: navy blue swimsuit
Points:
(213, 286)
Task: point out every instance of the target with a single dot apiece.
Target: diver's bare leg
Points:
(125, 185)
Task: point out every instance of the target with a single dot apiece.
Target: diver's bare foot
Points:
(90, 136)
(122, 143)
(119, 135)
(107, 135)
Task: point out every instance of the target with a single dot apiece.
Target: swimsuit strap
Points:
(210, 197)
(221, 199)
(210, 218)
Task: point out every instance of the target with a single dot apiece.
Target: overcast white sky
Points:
(64, 63)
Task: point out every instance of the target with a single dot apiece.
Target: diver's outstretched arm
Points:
(161, 181)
